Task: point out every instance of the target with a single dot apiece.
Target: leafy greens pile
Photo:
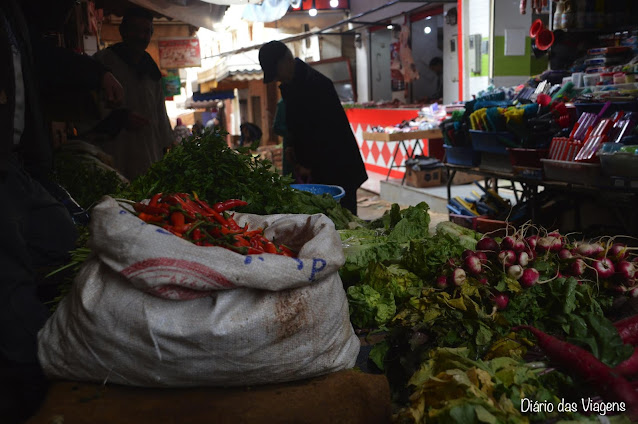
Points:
(449, 353)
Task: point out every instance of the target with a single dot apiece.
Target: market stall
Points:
(383, 156)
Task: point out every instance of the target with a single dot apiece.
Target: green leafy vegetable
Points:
(368, 308)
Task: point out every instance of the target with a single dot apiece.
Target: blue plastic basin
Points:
(337, 192)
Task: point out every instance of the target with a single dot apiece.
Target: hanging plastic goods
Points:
(624, 124)
(596, 138)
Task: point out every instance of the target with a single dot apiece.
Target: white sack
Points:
(150, 309)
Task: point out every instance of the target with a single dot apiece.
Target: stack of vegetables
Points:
(467, 328)
(206, 225)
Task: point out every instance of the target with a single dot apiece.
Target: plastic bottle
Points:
(568, 16)
(558, 15)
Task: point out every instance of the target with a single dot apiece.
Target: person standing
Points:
(324, 148)
(147, 130)
(37, 229)
(181, 131)
(436, 66)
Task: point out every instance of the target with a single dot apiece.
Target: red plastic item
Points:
(544, 39)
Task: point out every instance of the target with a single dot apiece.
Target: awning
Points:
(206, 100)
(239, 67)
(195, 12)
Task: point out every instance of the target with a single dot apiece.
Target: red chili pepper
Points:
(155, 199)
(228, 204)
(253, 233)
(286, 251)
(186, 206)
(197, 234)
(232, 224)
(269, 247)
(178, 220)
(241, 241)
(219, 218)
(254, 251)
(150, 218)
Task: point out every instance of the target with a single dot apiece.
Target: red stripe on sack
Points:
(206, 274)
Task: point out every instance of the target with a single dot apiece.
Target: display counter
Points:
(388, 157)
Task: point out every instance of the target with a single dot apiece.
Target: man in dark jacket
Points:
(36, 229)
(325, 149)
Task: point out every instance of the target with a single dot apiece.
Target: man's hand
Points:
(136, 121)
(113, 90)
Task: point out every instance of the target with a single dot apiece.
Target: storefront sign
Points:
(179, 53)
(171, 83)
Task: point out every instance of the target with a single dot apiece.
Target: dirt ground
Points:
(370, 206)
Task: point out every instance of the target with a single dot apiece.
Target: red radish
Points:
(487, 244)
(565, 254)
(629, 366)
(458, 277)
(627, 270)
(604, 268)
(631, 282)
(633, 292)
(620, 289)
(507, 257)
(484, 281)
(473, 265)
(531, 241)
(467, 253)
(589, 250)
(441, 282)
(515, 271)
(519, 246)
(482, 257)
(523, 258)
(618, 251)
(530, 277)
(578, 361)
(578, 267)
(451, 262)
(508, 243)
(556, 242)
(544, 244)
(531, 253)
(628, 330)
(501, 300)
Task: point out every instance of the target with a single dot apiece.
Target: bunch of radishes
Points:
(603, 261)
(516, 255)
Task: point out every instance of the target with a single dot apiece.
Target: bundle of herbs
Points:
(207, 166)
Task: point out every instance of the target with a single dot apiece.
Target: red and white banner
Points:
(179, 53)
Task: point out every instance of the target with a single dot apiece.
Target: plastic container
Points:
(465, 156)
(619, 164)
(572, 172)
(493, 142)
(465, 221)
(337, 192)
(607, 78)
(620, 78)
(530, 158)
(590, 80)
(494, 227)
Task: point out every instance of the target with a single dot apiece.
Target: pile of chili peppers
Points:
(194, 220)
